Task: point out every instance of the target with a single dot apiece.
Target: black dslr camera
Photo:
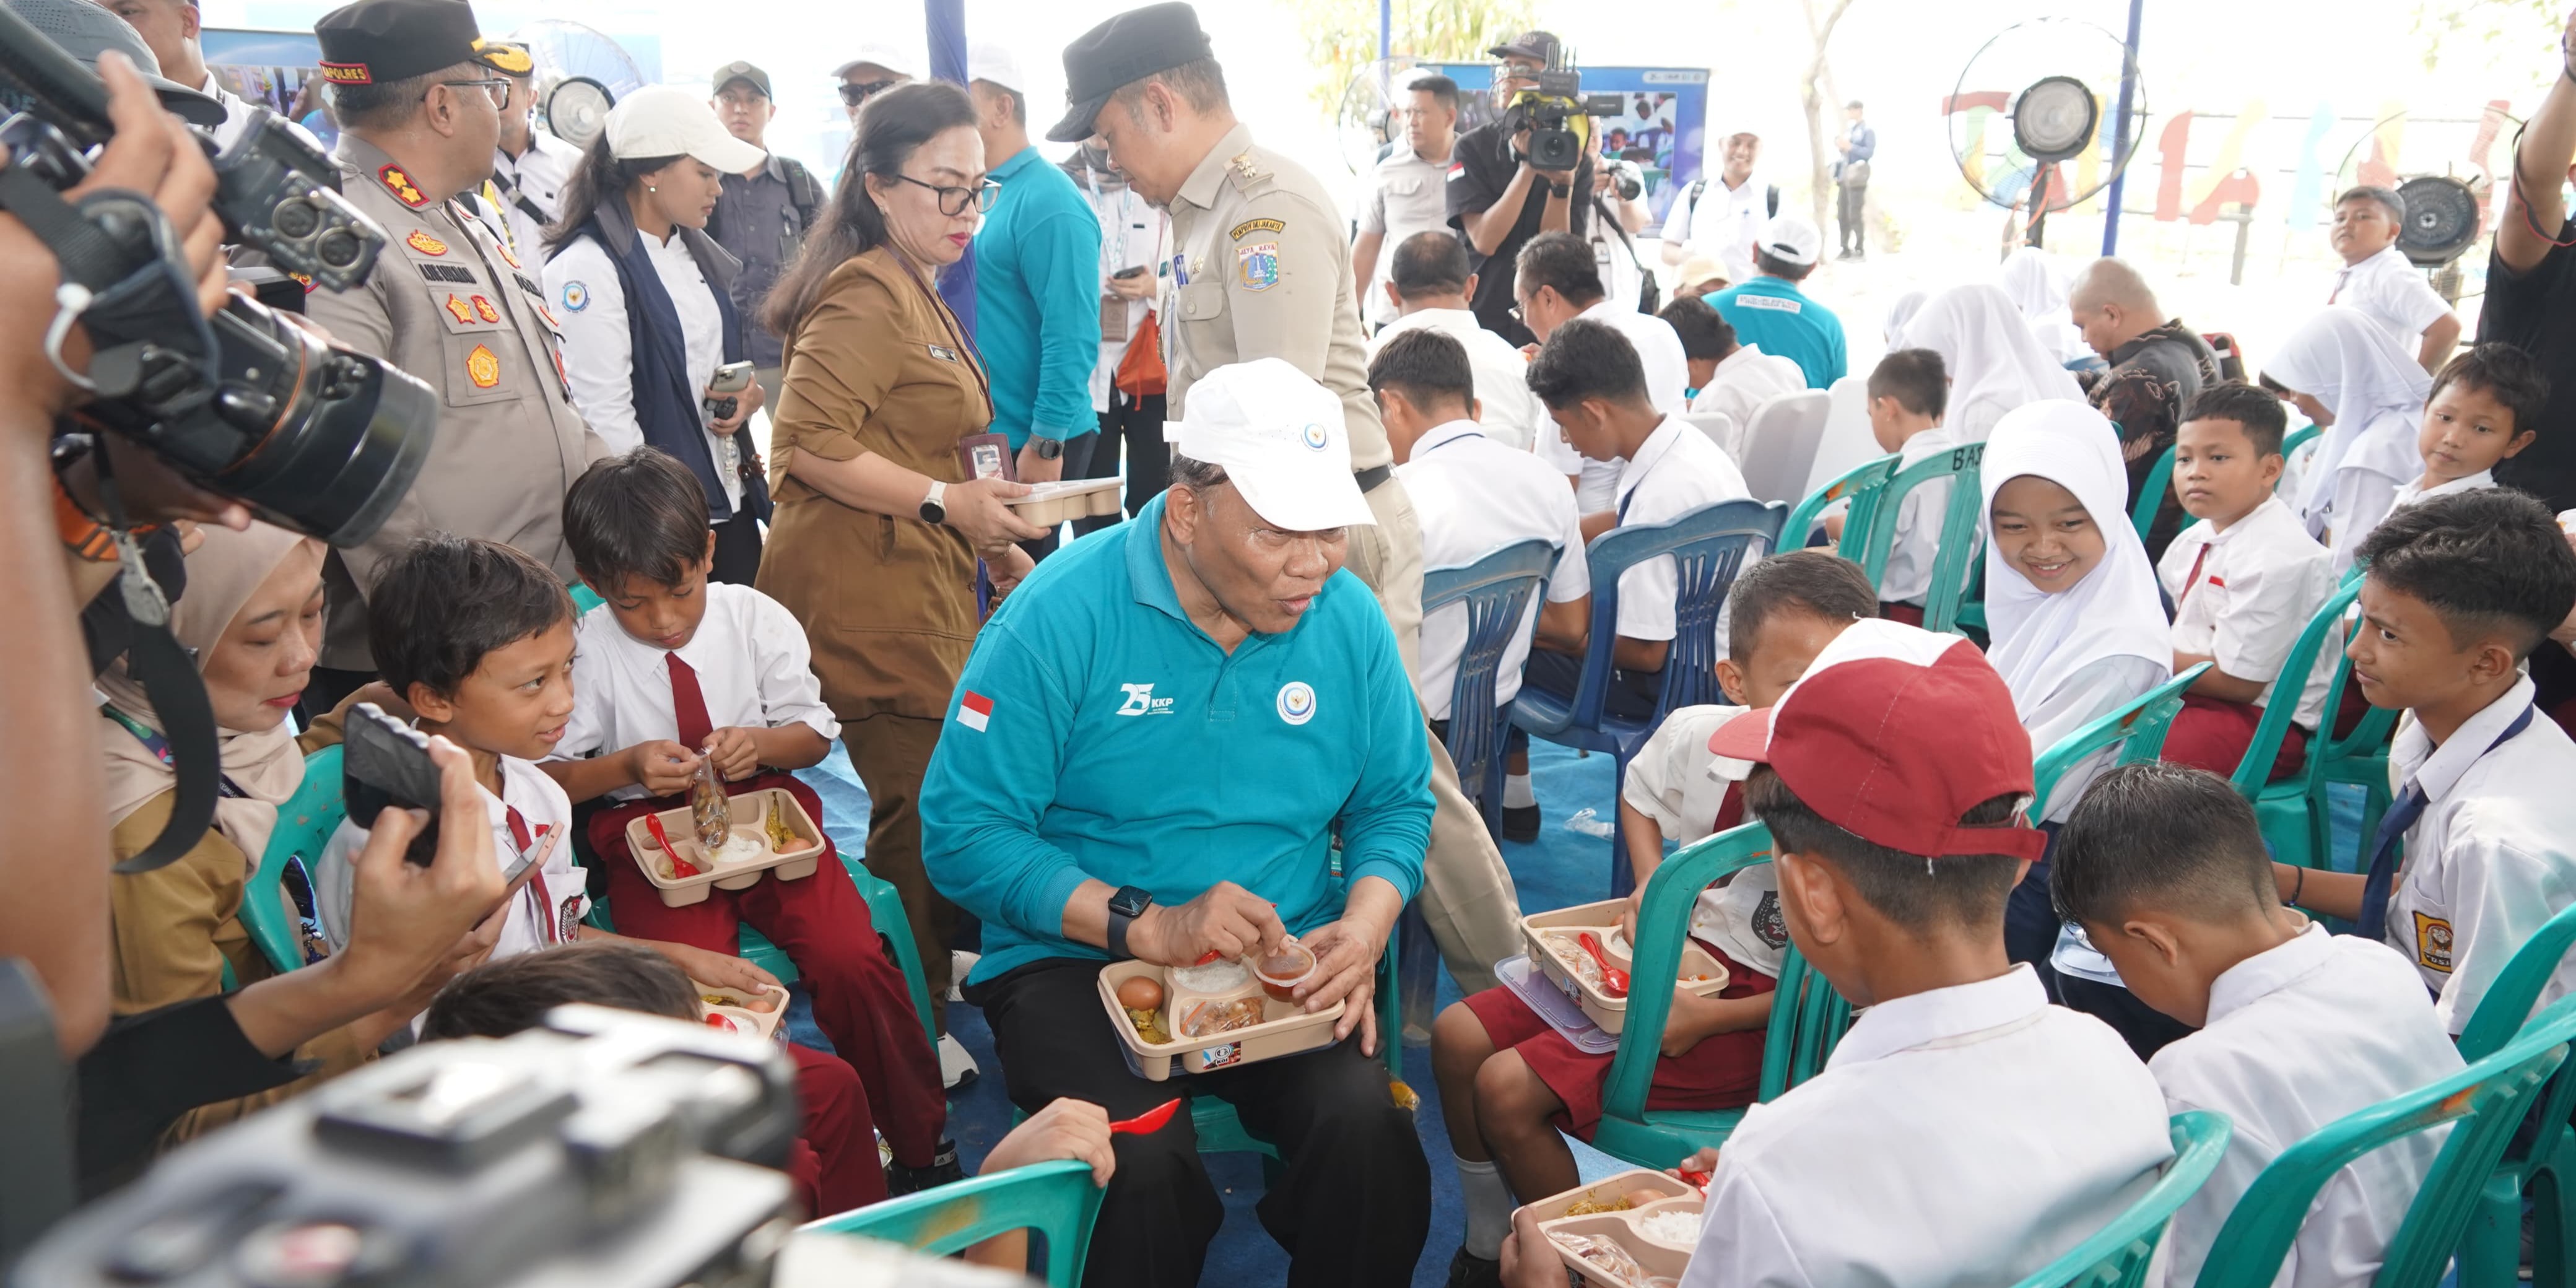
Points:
(607, 1150)
(1554, 113)
(315, 438)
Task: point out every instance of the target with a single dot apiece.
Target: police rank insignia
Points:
(482, 368)
(398, 182)
(1258, 265)
(460, 310)
(483, 309)
(421, 241)
(576, 297)
(1250, 226)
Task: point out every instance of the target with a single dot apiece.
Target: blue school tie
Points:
(2375, 888)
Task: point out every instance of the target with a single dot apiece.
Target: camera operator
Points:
(418, 95)
(1497, 201)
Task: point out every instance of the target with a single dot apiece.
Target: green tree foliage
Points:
(1341, 35)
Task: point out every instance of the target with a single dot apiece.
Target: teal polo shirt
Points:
(1037, 301)
(1773, 313)
(1098, 733)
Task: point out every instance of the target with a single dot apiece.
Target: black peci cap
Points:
(375, 42)
(1126, 49)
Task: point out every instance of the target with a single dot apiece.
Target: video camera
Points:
(314, 438)
(608, 1149)
(1557, 113)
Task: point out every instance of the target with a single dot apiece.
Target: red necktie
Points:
(2193, 579)
(518, 827)
(689, 705)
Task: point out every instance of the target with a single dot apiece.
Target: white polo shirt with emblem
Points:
(1659, 350)
(2494, 855)
(1474, 496)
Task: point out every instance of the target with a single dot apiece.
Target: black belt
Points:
(1369, 478)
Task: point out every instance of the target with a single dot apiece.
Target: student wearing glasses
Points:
(418, 95)
(878, 528)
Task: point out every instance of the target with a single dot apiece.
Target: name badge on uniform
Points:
(1180, 270)
(942, 352)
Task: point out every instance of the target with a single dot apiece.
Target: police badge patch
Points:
(1258, 265)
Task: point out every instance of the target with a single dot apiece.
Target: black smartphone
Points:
(385, 764)
(1131, 270)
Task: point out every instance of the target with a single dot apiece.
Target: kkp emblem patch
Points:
(1296, 702)
(576, 297)
(1315, 437)
(1258, 265)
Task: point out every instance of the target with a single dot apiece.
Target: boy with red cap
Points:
(1894, 779)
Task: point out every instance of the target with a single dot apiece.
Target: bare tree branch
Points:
(1820, 34)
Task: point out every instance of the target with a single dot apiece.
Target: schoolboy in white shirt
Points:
(2485, 407)
(1908, 392)
(1594, 387)
(2165, 869)
(2458, 592)
(2244, 580)
(673, 668)
(1895, 771)
(1473, 496)
(2379, 280)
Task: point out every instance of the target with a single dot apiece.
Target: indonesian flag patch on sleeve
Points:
(975, 711)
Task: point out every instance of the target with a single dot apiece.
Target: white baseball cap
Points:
(1280, 438)
(668, 121)
(878, 53)
(1791, 239)
(991, 62)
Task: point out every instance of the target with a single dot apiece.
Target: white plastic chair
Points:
(1720, 429)
(1778, 449)
(1846, 442)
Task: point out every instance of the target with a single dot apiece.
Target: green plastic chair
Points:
(2295, 813)
(2138, 728)
(2491, 1247)
(584, 598)
(1056, 1199)
(2291, 444)
(1870, 545)
(304, 825)
(2489, 1099)
(1807, 1018)
(1863, 483)
(2151, 496)
(2118, 1256)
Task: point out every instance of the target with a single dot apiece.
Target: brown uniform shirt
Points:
(888, 602)
(449, 305)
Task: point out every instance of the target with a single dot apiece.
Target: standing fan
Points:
(581, 73)
(1364, 121)
(2055, 117)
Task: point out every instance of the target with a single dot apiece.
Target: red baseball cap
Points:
(1893, 735)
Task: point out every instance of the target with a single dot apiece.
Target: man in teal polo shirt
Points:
(1157, 743)
(1037, 294)
(1771, 312)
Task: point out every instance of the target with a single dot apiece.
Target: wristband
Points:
(2297, 886)
(81, 534)
(1560, 190)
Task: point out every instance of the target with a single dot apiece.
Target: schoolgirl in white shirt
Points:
(2346, 374)
(1994, 362)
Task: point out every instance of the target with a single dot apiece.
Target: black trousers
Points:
(1077, 463)
(1352, 1207)
(737, 551)
(1132, 430)
(1850, 204)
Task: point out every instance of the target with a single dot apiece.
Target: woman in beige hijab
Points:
(252, 617)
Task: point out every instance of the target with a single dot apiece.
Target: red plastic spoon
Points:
(1614, 981)
(680, 867)
(1146, 1123)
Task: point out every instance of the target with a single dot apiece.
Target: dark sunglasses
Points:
(857, 94)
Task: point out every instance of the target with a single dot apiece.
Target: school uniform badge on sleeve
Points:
(576, 297)
(398, 182)
(1258, 265)
(2433, 943)
(482, 368)
(568, 919)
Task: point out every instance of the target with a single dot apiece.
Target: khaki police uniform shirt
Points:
(1260, 269)
(450, 305)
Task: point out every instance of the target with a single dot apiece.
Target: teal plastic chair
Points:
(2296, 813)
(2137, 728)
(304, 825)
(584, 598)
(2118, 1256)
(1863, 484)
(1056, 1199)
(1870, 545)
(2151, 496)
(2488, 1100)
(2290, 446)
(2540, 1168)
(1807, 1016)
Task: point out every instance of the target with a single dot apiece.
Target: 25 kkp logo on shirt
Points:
(1142, 702)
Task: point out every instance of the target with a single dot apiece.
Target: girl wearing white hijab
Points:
(2078, 631)
(252, 616)
(1994, 361)
(2344, 371)
(2039, 287)
(1900, 313)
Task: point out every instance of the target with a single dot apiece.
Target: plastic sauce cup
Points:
(1282, 973)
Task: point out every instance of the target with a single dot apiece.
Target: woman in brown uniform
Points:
(876, 534)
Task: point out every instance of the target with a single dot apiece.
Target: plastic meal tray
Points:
(1602, 919)
(736, 1005)
(1284, 1030)
(1661, 1260)
(1049, 504)
(750, 809)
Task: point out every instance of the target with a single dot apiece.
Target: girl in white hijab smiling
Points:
(1994, 361)
(2346, 374)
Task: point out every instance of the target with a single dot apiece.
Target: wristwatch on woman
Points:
(934, 507)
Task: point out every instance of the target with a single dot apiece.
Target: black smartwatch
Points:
(1125, 907)
(1048, 448)
(1560, 190)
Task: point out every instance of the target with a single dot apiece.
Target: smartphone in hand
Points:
(384, 765)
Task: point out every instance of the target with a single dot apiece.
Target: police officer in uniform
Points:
(418, 94)
(1260, 269)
